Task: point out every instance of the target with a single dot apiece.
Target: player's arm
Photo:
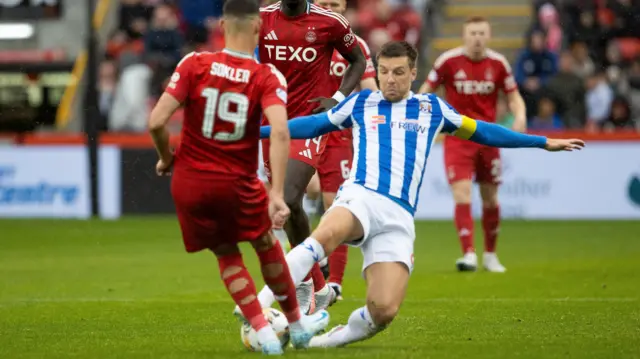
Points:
(174, 95)
(336, 119)
(515, 103)
(273, 100)
(490, 134)
(368, 80)
(436, 75)
(160, 115)
(279, 146)
(353, 73)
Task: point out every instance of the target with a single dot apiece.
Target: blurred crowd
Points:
(581, 67)
(153, 35)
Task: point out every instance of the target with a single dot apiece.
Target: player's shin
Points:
(490, 225)
(277, 277)
(337, 265)
(242, 289)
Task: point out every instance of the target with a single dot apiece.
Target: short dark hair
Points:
(399, 49)
(475, 19)
(240, 8)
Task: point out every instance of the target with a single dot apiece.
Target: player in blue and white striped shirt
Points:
(393, 132)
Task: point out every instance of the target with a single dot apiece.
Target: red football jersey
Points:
(471, 87)
(301, 47)
(338, 67)
(224, 94)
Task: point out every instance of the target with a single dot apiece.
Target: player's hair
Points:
(241, 8)
(399, 49)
(475, 19)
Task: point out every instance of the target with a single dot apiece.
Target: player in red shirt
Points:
(335, 163)
(472, 76)
(299, 39)
(218, 197)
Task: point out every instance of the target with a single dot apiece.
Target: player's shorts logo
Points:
(311, 36)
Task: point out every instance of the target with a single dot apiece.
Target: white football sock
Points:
(359, 327)
(300, 261)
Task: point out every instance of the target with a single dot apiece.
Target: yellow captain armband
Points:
(467, 128)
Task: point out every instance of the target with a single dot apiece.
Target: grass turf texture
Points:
(126, 289)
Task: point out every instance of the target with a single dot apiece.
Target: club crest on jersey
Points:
(488, 75)
(425, 107)
(349, 38)
(311, 36)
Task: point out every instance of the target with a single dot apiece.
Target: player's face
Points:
(395, 76)
(338, 6)
(476, 35)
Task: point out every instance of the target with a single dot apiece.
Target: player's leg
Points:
(386, 289)
(334, 170)
(460, 166)
(276, 275)
(489, 178)
(312, 195)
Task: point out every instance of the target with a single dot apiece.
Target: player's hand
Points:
(278, 211)
(163, 167)
(555, 145)
(326, 103)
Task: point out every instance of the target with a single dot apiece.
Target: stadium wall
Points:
(47, 176)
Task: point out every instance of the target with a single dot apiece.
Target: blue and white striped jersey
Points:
(392, 141)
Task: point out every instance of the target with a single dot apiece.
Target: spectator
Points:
(134, 16)
(583, 65)
(588, 32)
(568, 92)
(546, 118)
(398, 19)
(163, 41)
(613, 62)
(550, 25)
(629, 86)
(599, 98)
(627, 18)
(620, 118)
(200, 17)
(107, 79)
(130, 110)
(534, 67)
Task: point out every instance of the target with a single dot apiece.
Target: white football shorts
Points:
(389, 230)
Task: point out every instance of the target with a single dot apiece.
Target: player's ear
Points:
(414, 73)
(221, 23)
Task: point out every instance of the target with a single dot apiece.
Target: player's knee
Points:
(264, 244)
(383, 312)
(489, 196)
(272, 270)
(461, 192)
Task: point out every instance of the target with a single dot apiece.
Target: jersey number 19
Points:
(220, 105)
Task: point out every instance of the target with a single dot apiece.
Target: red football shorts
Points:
(307, 151)
(216, 208)
(334, 167)
(466, 160)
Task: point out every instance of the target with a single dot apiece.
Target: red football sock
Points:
(318, 278)
(464, 224)
(490, 224)
(242, 289)
(277, 276)
(337, 264)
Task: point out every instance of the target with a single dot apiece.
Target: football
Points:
(277, 321)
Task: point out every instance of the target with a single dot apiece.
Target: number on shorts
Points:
(220, 105)
(496, 169)
(344, 167)
(314, 140)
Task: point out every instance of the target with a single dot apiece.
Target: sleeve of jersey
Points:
(508, 81)
(274, 91)
(340, 115)
(370, 70)
(485, 133)
(178, 86)
(436, 75)
(305, 127)
(345, 40)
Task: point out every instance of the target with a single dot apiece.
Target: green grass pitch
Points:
(127, 289)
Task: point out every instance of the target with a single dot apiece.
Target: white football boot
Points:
(468, 262)
(491, 263)
(272, 348)
(311, 325)
(306, 297)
